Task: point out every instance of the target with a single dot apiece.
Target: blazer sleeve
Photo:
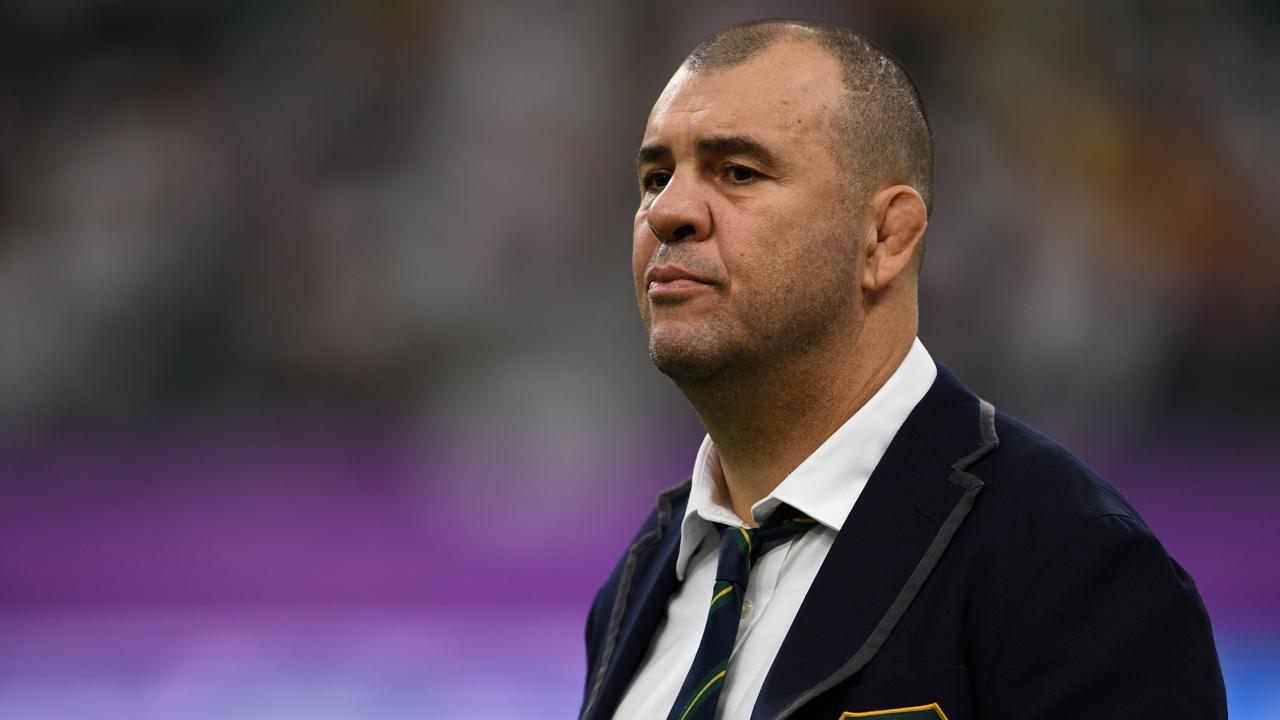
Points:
(1109, 627)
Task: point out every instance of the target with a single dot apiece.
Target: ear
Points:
(898, 220)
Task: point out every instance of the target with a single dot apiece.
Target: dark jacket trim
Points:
(987, 426)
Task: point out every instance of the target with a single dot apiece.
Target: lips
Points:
(668, 273)
(668, 283)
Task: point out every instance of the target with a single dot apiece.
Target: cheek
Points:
(643, 245)
(761, 250)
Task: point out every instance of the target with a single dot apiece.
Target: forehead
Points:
(789, 89)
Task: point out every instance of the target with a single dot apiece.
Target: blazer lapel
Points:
(646, 585)
(897, 531)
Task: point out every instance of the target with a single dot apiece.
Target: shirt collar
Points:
(826, 484)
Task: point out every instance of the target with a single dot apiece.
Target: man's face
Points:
(744, 244)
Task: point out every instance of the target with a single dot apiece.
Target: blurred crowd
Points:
(256, 212)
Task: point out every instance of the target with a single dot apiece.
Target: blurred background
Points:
(322, 390)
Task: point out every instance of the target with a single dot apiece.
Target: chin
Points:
(686, 356)
(684, 367)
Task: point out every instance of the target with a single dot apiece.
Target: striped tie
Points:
(738, 548)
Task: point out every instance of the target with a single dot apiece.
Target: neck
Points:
(766, 420)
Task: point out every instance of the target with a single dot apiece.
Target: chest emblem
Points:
(920, 712)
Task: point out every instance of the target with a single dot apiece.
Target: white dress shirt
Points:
(825, 486)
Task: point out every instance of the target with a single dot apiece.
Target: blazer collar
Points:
(914, 502)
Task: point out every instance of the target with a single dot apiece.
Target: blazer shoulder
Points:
(1038, 495)
(1044, 489)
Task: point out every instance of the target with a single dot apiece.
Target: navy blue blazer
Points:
(985, 572)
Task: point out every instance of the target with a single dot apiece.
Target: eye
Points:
(655, 180)
(739, 175)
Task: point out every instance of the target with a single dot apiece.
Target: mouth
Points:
(672, 282)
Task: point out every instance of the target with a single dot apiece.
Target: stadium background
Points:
(322, 392)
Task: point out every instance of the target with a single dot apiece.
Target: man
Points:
(862, 536)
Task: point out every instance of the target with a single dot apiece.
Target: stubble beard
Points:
(782, 330)
(697, 354)
(777, 330)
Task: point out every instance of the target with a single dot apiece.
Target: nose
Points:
(680, 212)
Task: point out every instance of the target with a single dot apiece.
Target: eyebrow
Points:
(738, 145)
(648, 154)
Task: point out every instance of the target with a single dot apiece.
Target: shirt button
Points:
(746, 608)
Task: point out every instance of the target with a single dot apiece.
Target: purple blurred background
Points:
(322, 392)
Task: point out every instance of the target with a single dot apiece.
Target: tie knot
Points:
(739, 546)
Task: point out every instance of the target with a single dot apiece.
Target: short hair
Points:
(883, 121)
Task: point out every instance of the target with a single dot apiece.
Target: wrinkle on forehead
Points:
(790, 85)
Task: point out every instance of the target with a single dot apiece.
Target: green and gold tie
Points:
(738, 549)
